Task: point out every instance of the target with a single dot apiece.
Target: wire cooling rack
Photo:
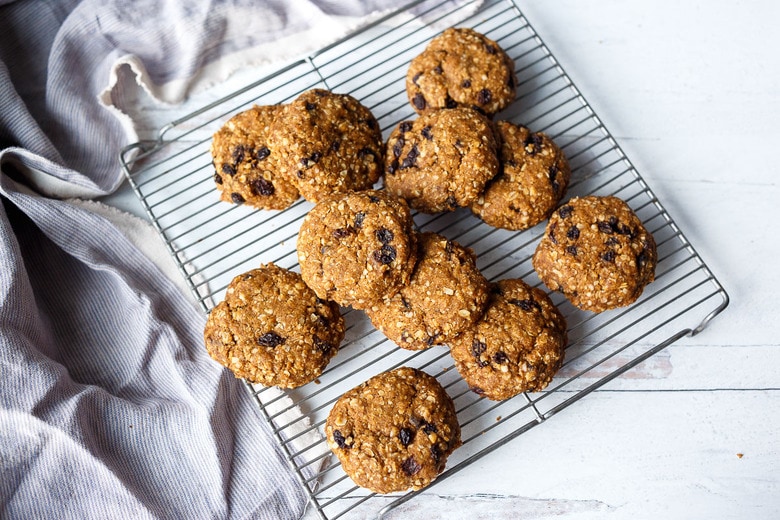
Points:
(213, 241)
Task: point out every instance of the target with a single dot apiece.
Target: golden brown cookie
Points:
(358, 247)
(442, 160)
(533, 179)
(247, 169)
(461, 67)
(516, 347)
(445, 295)
(395, 431)
(596, 251)
(327, 143)
(272, 329)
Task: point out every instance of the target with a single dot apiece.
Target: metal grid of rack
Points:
(213, 241)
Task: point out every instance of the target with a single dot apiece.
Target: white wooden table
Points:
(691, 91)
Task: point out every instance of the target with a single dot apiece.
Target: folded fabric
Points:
(110, 407)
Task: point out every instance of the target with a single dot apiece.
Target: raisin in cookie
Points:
(461, 67)
(445, 295)
(327, 143)
(442, 160)
(272, 329)
(247, 170)
(516, 347)
(596, 251)
(532, 182)
(395, 431)
(358, 247)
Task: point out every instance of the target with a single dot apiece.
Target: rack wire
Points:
(212, 241)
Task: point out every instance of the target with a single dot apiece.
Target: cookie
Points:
(534, 176)
(395, 431)
(461, 67)
(445, 295)
(328, 143)
(357, 248)
(516, 347)
(272, 329)
(246, 167)
(596, 251)
(442, 160)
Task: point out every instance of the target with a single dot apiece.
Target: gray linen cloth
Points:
(109, 405)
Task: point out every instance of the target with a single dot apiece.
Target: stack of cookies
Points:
(396, 430)
(595, 249)
(453, 155)
(321, 143)
(358, 248)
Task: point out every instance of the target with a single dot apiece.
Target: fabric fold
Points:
(118, 384)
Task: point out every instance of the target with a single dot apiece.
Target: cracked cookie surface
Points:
(246, 168)
(445, 295)
(442, 160)
(597, 252)
(461, 67)
(533, 178)
(395, 431)
(327, 143)
(358, 247)
(272, 329)
(517, 346)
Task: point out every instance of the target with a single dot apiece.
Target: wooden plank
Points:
(626, 455)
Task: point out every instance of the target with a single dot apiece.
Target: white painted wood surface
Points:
(691, 91)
